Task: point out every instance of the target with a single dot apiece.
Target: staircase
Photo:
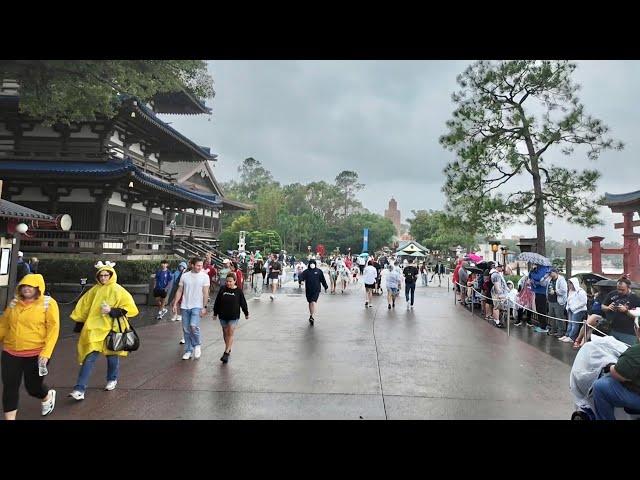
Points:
(199, 247)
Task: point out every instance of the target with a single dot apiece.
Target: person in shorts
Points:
(227, 307)
(161, 283)
(313, 279)
(275, 269)
(369, 275)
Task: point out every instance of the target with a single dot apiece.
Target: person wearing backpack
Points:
(29, 329)
(410, 273)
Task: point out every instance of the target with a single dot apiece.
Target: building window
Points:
(199, 221)
(190, 220)
(208, 223)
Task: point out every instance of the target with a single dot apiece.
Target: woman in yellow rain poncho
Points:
(95, 313)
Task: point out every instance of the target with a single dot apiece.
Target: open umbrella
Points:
(614, 283)
(473, 269)
(531, 257)
(473, 257)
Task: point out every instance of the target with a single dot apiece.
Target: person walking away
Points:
(410, 273)
(94, 316)
(361, 263)
(556, 301)
(257, 279)
(227, 307)
(369, 275)
(343, 276)
(576, 305)
(29, 329)
(193, 297)
(424, 275)
(394, 282)
(160, 286)
(175, 280)
(275, 269)
(313, 279)
(616, 309)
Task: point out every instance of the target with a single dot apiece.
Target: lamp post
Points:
(495, 245)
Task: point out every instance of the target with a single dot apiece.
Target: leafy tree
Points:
(437, 230)
(253, 177)
(510, 118)
(347, 182)
(268, 203)
(324, 200)
(79, 90)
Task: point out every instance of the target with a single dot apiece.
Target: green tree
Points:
(79, 90)
(347, 182)
(437, 230)
(253, 177)
(268, 203)
(510, 117)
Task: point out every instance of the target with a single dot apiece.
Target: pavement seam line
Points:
(373, 328)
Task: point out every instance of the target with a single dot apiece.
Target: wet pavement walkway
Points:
(433, 362)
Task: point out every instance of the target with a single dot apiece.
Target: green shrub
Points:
(71, 270)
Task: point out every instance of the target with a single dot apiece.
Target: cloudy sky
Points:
(309, 120)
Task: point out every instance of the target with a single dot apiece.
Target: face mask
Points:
(312, 266)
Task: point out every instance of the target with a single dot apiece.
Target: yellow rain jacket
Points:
(96, 325)
(31, 326)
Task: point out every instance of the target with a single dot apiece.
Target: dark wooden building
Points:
(133, 184)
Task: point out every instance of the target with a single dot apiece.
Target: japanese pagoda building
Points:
(132, 184)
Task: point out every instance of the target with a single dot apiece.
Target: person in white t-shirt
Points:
(369, 276)
(193, 296)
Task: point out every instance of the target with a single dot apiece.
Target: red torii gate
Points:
(627, 204)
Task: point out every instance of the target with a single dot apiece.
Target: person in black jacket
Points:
(312, 277)
(227, 306)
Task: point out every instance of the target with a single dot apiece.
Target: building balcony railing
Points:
(121, 243)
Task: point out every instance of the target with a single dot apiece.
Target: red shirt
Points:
(239, 278)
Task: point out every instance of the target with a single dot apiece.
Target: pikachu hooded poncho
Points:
(96, 325)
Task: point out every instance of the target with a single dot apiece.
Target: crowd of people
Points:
(545, 301)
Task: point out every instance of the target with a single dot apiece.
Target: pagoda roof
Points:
(111, 169)
(147, 114)
(183, 102)
(13, 210)
(622, 199)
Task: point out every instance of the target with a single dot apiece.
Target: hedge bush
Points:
(71, 270)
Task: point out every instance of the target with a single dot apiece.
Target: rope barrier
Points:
(584, 322)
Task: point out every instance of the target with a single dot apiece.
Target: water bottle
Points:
(42, 367)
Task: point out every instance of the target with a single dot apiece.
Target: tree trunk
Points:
(537, 188)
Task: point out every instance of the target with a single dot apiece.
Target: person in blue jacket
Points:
(539, 280)
(313, 278)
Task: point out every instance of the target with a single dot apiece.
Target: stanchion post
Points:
(473, 297)
(508, 320)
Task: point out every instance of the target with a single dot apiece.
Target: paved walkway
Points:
(434, 362)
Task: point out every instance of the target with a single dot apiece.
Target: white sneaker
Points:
(271, 297)
(49, 405)
(111, 384)
(562, 338)
(197, 351)
(186, 356)
(179, 318)
(567, 340)
(182, 341)
(77, 395)
(174, 318)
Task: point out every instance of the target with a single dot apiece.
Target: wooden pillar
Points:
(13, 267)
(596, 254)
(631, 255)
(568, 263)
(628, 240)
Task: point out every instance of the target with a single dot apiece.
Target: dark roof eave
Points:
(619, 199)
(13, 210)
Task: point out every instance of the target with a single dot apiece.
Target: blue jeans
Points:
(113, 368)
(627, 338)
(574, 328)
(191, 328)
(608, 393)
(409, 287)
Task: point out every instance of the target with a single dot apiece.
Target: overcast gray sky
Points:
(309, 120)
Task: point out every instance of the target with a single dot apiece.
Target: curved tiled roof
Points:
(113, 168)
(13, 210)
(620, 198)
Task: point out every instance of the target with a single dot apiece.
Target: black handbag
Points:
(119, 340)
